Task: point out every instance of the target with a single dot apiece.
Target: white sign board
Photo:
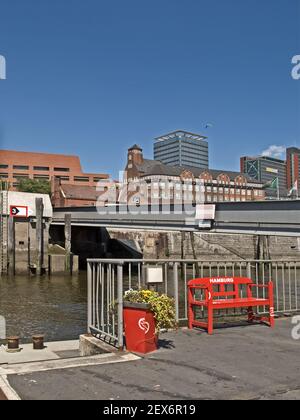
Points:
(154, 275)
(205, 211)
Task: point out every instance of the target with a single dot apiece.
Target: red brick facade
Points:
(157, 182)
(15, 165)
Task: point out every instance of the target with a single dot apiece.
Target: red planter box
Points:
(139, 326)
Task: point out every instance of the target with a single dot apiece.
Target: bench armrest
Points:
(198, 287)
(261, 286)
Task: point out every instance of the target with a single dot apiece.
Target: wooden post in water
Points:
(11, 246)
(68, 238)
(39, 206)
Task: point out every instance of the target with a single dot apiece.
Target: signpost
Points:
(19, 211)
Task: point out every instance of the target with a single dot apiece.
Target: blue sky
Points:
(93, 77)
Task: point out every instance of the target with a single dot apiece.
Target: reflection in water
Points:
(56, 306)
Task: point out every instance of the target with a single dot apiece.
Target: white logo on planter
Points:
(144, 325)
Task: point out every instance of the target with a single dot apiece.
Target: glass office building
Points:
(265, 169)
(182, 148)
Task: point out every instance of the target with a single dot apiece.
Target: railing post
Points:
(120, 305)
(249, 273)
(176, 294)
(90, 297)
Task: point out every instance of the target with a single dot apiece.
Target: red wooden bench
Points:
(224, 293)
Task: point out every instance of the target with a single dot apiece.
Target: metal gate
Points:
(105, 301)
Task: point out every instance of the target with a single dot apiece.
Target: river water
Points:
(55, 306)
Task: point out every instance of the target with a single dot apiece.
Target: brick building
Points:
(44, 166)
(293, 168)
(151, 180)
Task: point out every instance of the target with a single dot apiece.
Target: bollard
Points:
(13, 343)
(38, 342)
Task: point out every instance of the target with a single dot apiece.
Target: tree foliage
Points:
(38, 186)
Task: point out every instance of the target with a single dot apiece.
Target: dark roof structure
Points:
(136, 147)
(155, 167)
(76, 192)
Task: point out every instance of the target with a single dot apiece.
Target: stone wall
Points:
(210, 246)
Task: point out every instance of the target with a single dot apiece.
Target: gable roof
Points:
(155, 167)
(78, 192)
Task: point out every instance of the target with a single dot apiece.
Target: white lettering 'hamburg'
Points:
(221, 280)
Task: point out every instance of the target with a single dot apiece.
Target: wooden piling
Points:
(68, 239)
(11, 246)
(39, 205)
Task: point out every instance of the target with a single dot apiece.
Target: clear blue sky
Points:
(93, 77)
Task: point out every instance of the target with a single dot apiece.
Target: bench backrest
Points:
(220, 286)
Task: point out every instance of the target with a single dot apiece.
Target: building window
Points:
(41, 168)
(21, 167)
(41, 177)
(62, 169)
(3, 166)
(63, 178)
(208, 197)
(3, 175)
(20, 176)
(81, 179)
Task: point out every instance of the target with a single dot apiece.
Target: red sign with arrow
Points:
(19, 211)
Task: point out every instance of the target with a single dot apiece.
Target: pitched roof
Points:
(136, 146)
(155, 167)
(77, 192)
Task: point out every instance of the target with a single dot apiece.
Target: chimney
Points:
(55, 191)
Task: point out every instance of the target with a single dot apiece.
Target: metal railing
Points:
(109, 279)
(3, 227)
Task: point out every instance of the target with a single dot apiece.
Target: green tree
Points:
(38, 186)
(4, 186)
